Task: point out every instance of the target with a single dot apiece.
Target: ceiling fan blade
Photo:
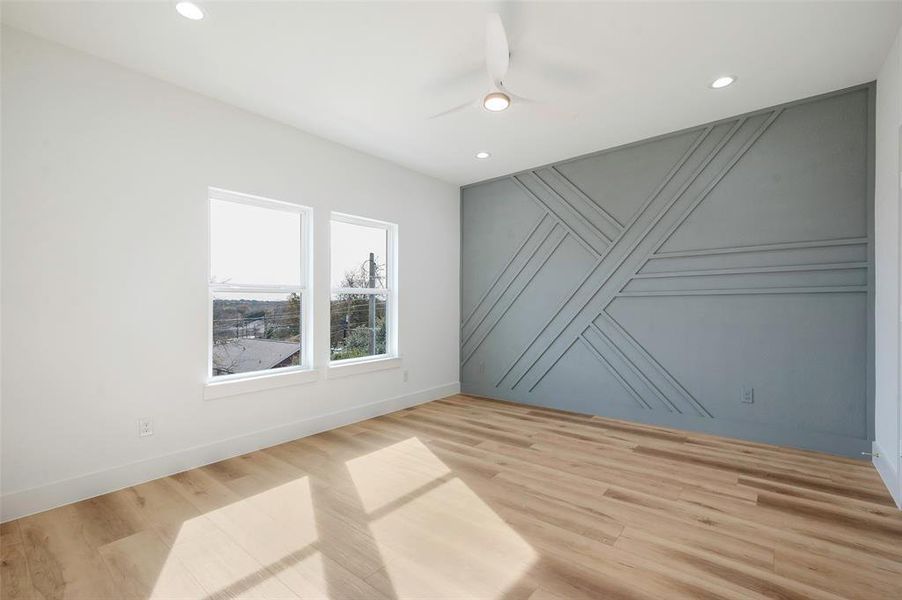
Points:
(562, 73)
(497, 50)
(541, 107)
(458, 81)
(455, 109)
(518, 98)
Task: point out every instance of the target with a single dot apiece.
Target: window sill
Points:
(356, 367)
(257, 383)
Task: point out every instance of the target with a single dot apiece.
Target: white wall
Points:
(104, 297)
(887, 268)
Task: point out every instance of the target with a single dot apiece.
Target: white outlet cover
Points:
(145, 427)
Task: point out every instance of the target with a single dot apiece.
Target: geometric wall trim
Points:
(716, 278)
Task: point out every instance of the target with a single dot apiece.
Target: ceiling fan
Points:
(497, 62)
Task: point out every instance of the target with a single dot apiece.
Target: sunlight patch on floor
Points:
(389, 474)
(262, 546)
(441, 535)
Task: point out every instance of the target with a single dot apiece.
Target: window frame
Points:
(390, 291)
(304, 289)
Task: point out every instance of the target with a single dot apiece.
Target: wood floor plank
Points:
(10, 534)
(785, 489)
(543, 594)
(664, 486)
(731, 574)
(62, 557)
(15, 580)
(741, 549)
(473, 498)
(141, 567)
(154, 503)
(800, 480)
(840, 577)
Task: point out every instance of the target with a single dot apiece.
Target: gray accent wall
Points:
(716, 279)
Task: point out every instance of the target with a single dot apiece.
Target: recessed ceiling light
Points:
(496, 101)
(190, 10)
(722, 82)
(482, 155)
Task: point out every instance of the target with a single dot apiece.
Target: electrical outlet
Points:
(145, 427)
(406, 375)
(482, 367)
(748, 394)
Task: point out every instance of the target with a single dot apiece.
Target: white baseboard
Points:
(888, 473)
(26, 502)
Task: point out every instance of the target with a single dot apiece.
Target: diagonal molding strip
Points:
(466, 336)
(573, 210)
(604, 361)
(526, 263)
(658, 367)
(507, 266)
(635, 368)
(579, 192)
(566, 225)
(547, 255)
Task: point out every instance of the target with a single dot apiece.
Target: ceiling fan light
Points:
(722, 82)
(496, 101)
(190, 10)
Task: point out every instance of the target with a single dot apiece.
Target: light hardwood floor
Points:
(471, 498)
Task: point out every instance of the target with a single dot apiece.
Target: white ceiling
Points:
(369, 75)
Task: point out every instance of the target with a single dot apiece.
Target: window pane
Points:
(255, 332)
(254, 245)
(352, 248)
(357, 325)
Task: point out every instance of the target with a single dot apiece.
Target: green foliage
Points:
(357, 343)
(351, 329)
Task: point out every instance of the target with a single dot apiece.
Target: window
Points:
(363, 304)
(259, 317)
